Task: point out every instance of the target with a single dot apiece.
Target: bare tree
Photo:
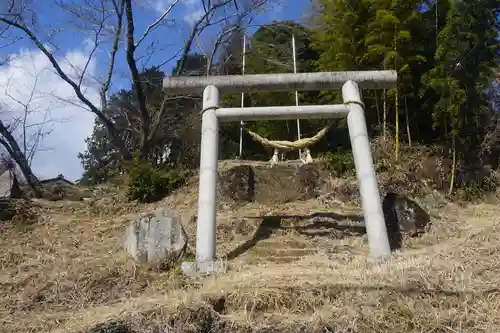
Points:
(27, 120)
(23, 126)
(112, 22)
(9, 142)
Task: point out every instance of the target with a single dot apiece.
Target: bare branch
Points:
(198, 28)
(135, 73)
(67, 79)
(12, 147)
(112, 57)
(93, 16)
(26, 112)
(30, 133)
(94, 49)
(205, 22)
(155, 24)
(54, 63)
(217, 44)
(171, 58)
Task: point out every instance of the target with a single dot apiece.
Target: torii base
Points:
(195, 269)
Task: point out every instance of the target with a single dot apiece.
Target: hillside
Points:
(288, 272)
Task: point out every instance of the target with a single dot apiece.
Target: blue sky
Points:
(29, 71)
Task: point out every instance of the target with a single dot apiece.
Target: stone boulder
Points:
(7, 209)
(308, 181)
(403, 217)
(157, 238)
(237, 184)
(262, 183)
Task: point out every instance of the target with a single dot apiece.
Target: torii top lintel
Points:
(282, 82)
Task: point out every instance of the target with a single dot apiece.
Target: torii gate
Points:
(212, 113)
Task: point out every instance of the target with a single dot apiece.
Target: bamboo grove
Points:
(445, 52)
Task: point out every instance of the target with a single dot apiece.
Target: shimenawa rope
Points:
(298, 144)
(288, 145)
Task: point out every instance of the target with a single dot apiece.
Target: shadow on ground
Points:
(318, 225)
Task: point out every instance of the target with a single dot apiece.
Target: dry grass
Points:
(68, 274)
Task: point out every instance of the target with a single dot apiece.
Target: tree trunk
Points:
(384, 124)
(117, 142)
(407, 122)
(378, 112)
(15, 189)
(396, 99)
(12, 147)
(453, 164)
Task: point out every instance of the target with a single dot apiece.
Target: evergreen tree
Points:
(270, 51)
(178, 130)
(467, 48)
(339, 38)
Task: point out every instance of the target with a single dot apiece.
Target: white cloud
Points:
(192, 9)
(194, 16)
(162, 5)
(30, 70)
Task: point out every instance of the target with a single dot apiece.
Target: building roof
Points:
(6, 179)
(58, 178)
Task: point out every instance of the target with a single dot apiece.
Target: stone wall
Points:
(278, 184)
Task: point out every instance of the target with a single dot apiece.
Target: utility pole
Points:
(296, 92)
(243, 94)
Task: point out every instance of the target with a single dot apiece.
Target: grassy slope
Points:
(69, 273)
